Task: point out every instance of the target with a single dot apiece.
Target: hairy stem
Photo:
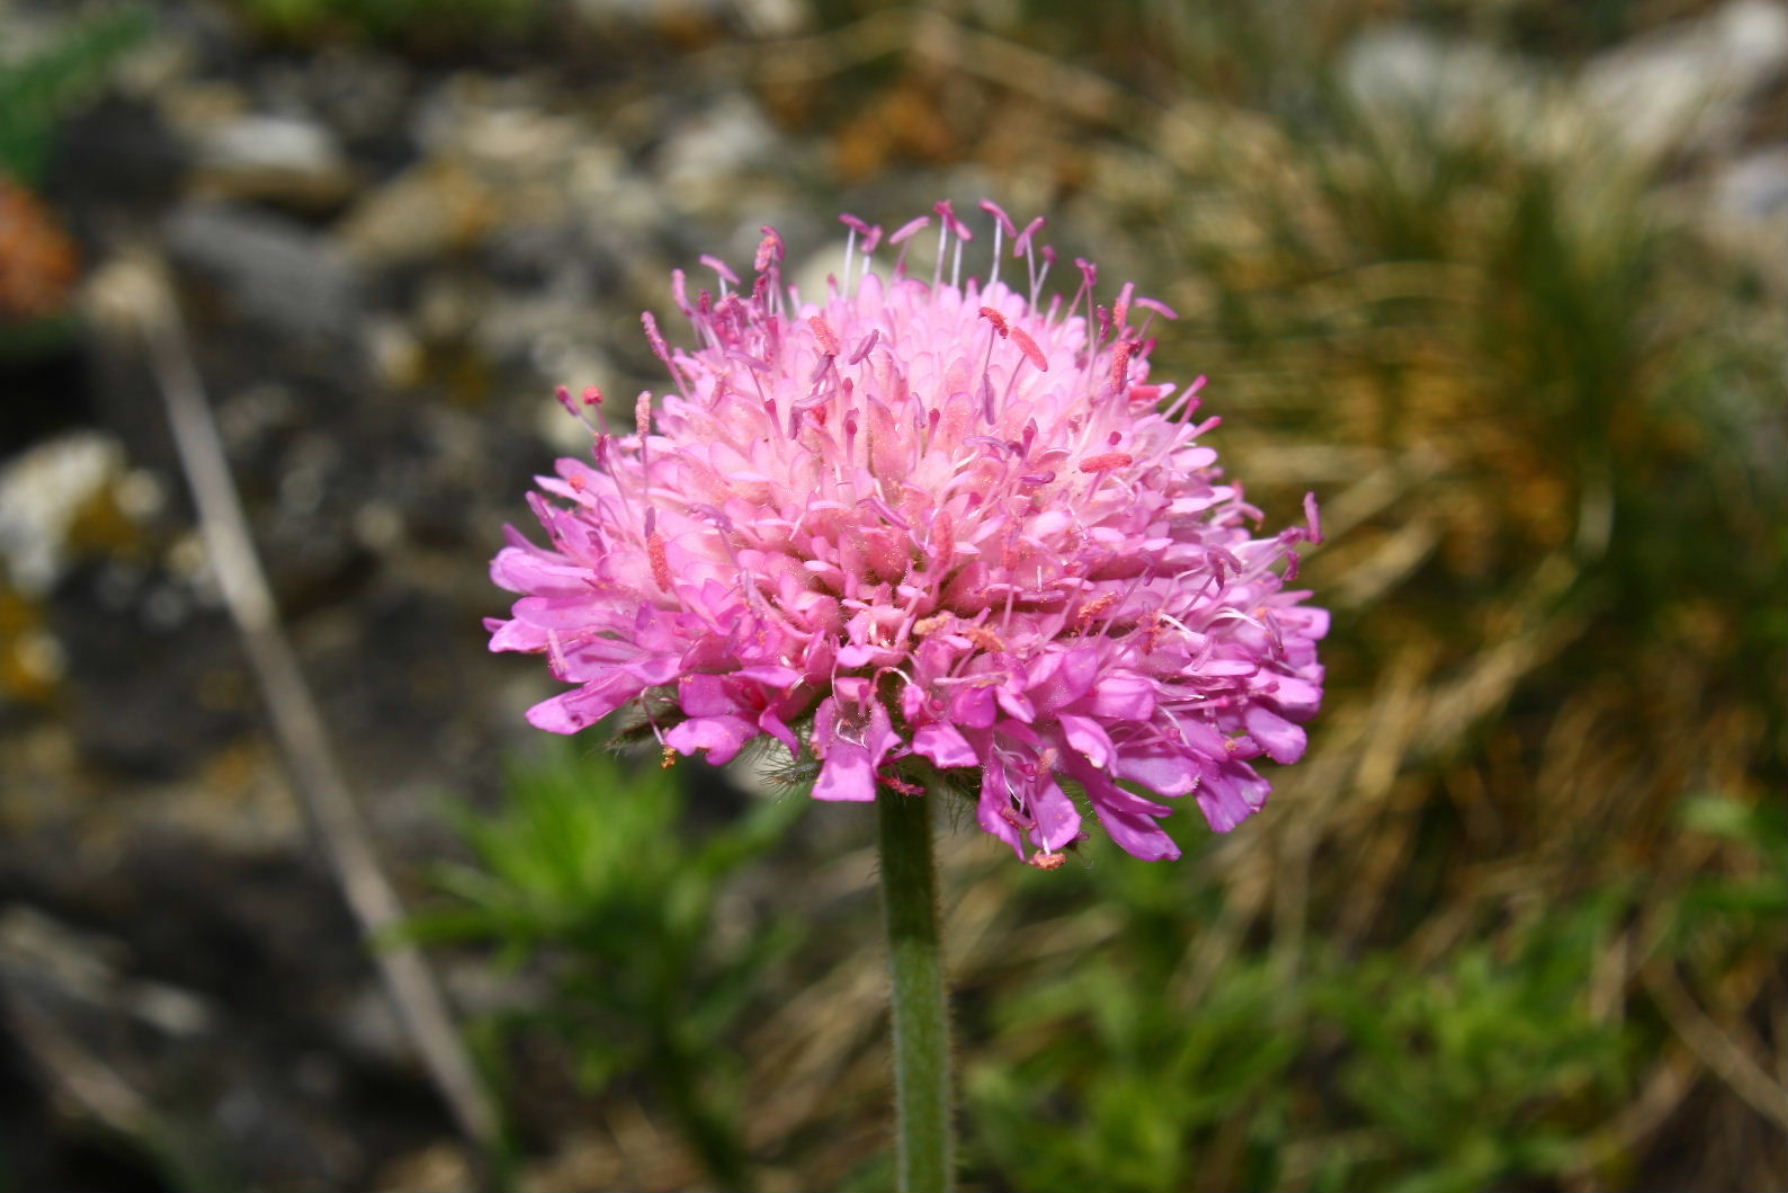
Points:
(921, 1015)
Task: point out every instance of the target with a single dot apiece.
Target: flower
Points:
(933, 520)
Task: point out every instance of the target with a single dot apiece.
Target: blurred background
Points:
(1503, 281)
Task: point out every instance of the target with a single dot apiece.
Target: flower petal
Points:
(1057, 820)
(1283, 741)
(721, 737)
(1139, 836)
(846, 774)
(994, 811)
(1089, 737)
(571, 711)
(944, 745)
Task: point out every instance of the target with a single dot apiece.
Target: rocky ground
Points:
(387, 260)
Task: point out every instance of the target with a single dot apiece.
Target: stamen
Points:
(1002, 227)
(850, 245)
(910, 229)
(1120, 364)
(1106, 462)
(822, 331)
(1029, 347)
(721, 269)
(863, 349)
(660, 565)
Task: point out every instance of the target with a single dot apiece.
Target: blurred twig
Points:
(135, 295)
(1729, 1060)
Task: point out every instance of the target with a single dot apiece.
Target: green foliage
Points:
(1496, 1064)
(417, 23)
(37, 91)
(1480, 1071)
(1483, 1073)
(1730, 909)
(1128, 1089)
(589, 874)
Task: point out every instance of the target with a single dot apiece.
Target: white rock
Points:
(1688, 85)
(42, 494)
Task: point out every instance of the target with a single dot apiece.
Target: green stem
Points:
(921, 1015)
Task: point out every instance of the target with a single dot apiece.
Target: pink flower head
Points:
(928, 519)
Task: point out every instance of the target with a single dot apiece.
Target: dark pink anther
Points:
(1120, 363)
(655, 338)
(770, 250)
(720, 267)
(1022, 245)
(1029, 347)
(998, 320)
(863, 348)
(1106, 462)
(999, 213)
(1160, 308)
(822, 331)
(947, 213)
(910, 229)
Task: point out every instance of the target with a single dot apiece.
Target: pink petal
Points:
(943, 745)
(1137, 835)
(1283, 741)
(518, 635)
(1123, 698)
(705, 696)
(973, 707)
(777, 728)
(571, 711)
(1231, 794)
(1299, 697)
(881, 738)
(846, 774)
(995, 803)
(721, 737)
(1162, 771)
(1057, 820)
(1089, 737)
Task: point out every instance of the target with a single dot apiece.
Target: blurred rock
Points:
(1689, 86)
(286, 160)
(706, 155)
(270, 272)
(1406, 72)
(117, 165)
(155, 684)
(1754, 189)
(434, 209)
(43, 494)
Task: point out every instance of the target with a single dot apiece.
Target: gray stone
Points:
(269, 271)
